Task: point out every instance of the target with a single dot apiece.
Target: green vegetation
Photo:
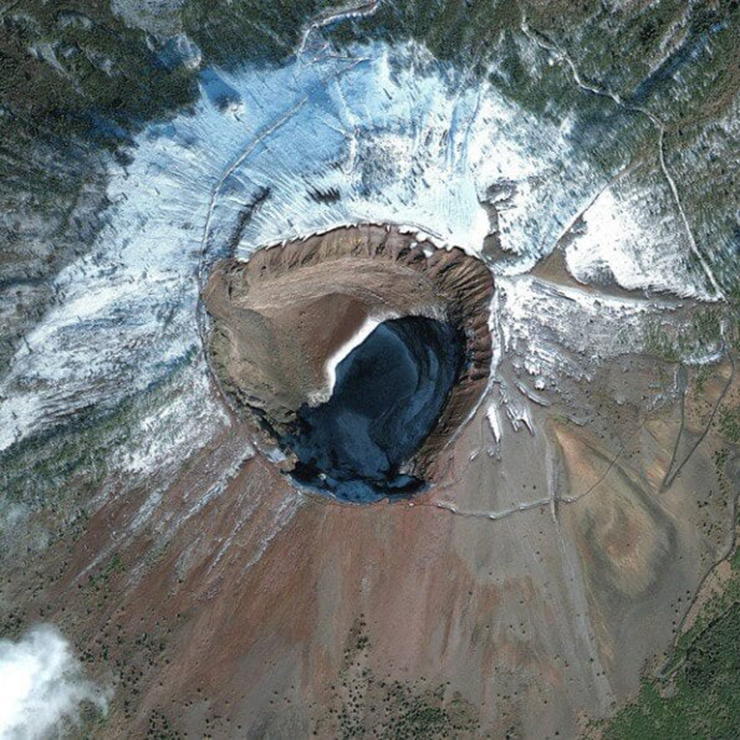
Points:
(670, 46)
(700, 696)
(485, 39)
(11, 625)
(417, 715)
(75, 81)
(401, 710)
(160, 727)
(90, 721)
(463, 33)
(364, 705)
(80, 69)
(700, 379)
(707, 326)
(658, 343)
(43, 470)
(720, 462)
(733, 300)
(729, 424)
(680, 61)
(673, 341)
(100, 582)
(52, 468)
(252, 31)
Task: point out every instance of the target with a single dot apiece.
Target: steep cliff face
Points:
(280, 319)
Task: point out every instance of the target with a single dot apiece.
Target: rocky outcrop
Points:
(278, 317)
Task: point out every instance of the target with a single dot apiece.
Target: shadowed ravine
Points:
(389, 393)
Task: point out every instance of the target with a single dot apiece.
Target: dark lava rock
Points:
(388, 396)
(277, 318)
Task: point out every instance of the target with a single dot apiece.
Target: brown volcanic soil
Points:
(255, 612)
(279, 316)
(245, 610)
(240, 608)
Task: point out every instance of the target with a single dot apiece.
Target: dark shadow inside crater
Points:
(388, 395)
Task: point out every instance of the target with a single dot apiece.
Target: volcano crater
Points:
(358, 352)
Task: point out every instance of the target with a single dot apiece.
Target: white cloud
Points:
(41, 685)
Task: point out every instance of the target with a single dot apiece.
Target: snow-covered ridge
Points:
(382, 135)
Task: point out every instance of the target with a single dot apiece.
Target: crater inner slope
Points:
(278, 319)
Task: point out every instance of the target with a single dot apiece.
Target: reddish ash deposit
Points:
(239, 608)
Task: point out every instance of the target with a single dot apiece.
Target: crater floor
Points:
(389, 393)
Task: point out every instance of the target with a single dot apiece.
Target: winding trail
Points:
(670, 475)
(543, 42)
(360, 10)
(550, 501)
(539, 39)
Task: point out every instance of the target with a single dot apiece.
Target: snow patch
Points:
(330, 368)
(633, 244)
